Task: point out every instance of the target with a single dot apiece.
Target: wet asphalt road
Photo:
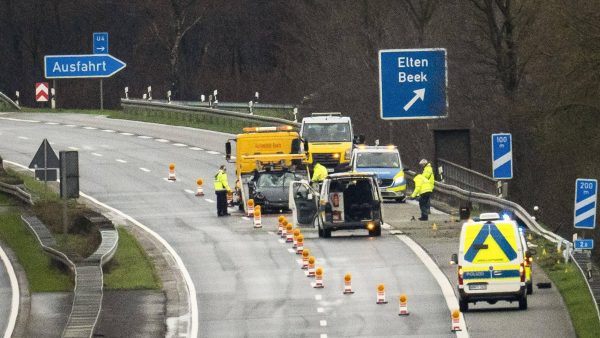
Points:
(247, 282)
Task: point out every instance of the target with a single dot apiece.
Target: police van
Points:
(491, 262)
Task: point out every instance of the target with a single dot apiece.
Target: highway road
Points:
(247, 282)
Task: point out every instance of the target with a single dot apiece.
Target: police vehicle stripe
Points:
(490, 274)
(490, 229)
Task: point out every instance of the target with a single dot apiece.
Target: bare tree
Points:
(421, 12)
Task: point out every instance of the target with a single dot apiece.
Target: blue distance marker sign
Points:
(502, 161)
(586, 192)
(412, 83)
(584, 244)
(81, 66)
(100, 42)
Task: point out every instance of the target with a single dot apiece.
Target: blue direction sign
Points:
(502, 161)
(81, 66)
(586, 192)
(412, 83)
(100, 42)
(584, 244)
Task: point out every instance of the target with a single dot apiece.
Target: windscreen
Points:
(271, 180)
(377, 160)
(327, 132)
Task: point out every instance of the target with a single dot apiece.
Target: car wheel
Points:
(326, 233)
(463, 305)
(523, 302)
(375, 232)
(530, 287)
(320, 231)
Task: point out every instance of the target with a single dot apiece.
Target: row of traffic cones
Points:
(286, 232)
(172, 177)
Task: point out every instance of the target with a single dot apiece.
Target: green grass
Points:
(130, 268)
(42, 275)
(573, 288)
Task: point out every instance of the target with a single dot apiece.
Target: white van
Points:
(491, 264)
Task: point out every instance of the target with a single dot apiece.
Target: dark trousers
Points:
(221, 202)
(425, 204)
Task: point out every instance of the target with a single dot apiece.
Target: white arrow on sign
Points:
(101, 49)
(419, 94)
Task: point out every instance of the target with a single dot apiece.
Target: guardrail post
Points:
(17, 99)
(250, 107)
(149, 93)
(127, 93)
(53, 99)
(295, 114)
(169, 96)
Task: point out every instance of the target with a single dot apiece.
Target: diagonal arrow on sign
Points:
(419, 94)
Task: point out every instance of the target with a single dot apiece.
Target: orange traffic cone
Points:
(348, 284)
(381, 294)
(257, 217)
(289, 234)
(311, 267)
(305, 254)
(299, 244)
(403, 306)
(172, 172)
(250, 205)
(230, 198)
(456, 320)
(199, 191)
(280, 220)
(318, 278)
(284, 226)
(295, 238)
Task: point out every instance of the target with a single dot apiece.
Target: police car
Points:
(491, 262)
(385, 163)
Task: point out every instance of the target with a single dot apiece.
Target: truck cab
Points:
(330, 138)
(345, 201)
(386, 164)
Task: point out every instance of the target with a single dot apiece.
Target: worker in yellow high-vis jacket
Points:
(423, 190)
(221, 190)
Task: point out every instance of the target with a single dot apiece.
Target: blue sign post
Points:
(100, 42)
(412, 83)
(502, 161)
(584, 244)
(81, 66)
(586, 192)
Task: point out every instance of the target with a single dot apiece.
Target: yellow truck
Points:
(266, 160)
(331, 139)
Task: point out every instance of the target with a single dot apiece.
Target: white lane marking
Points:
(270, 232)
(323, 335)
(19, 120)
(70, 125)
(15, 293)
(320, 310)
(73, 148)
(290, 250)
(318, 297)
(162, 140)
(144, 136)
(52, 123)
(145, 170)
(121, 161)
(386, 226)
(180, 145)
(96, 154)
(90, 128)
(189, 191)
(209, 200)
(108, 131)
(443, 282)
(323, 322)
(23, 138)
(246, 218)
(213, 152)
(126, 134)
(195, 148)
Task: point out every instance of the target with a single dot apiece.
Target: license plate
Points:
(329, 170)
(477, 287)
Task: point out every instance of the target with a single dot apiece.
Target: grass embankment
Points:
(187, 119)
(130, 268)
(572, 286)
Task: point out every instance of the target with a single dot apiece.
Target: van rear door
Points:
(302, 202)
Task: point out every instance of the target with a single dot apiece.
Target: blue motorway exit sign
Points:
(502, 156)
(586, 193)
(412, 83)
(81, 66)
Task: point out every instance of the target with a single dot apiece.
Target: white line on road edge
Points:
(145, 170)
(14, 285)
(126, 134)
(193, 310)
(96, 154)
(441, 279)
(189, 191)
(162, 140)
(120, 160)
(323, 335)
(23, 138)
(19, 120)
(195, 148)
(213, 152)
(51, 123)
(90, 128)
(108, 131)
(73, 148)
(180, 145)
(144, 137)
(209, 200)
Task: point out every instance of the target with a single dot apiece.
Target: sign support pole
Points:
(101, 96)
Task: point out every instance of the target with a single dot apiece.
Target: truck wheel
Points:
(375, 232)
(463, 305)
(523, 302)
(326, 233)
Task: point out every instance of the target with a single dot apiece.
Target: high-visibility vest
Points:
(422, 185)
(221, 181)
(319, 173)
(428, 174)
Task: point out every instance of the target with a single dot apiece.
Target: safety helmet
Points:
(423, 162)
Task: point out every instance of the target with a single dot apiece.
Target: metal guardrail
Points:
(487, 199)
(465, 178)
(17, 191)
(10, 102)
(237, 105)
(135, 104)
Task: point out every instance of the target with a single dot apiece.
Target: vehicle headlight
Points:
(259, 195)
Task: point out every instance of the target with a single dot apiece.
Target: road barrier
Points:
(305, 254)
(311, 267)
(403, 305)
(280, 220)
(381, 294)
(199, 190)
(348, 284)
(257, 217)
(250, 207)
(172, 172)
(145, 105)
(319, 279)
(5, 99)
(18, 191)
(299, 244)
(455, 317)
